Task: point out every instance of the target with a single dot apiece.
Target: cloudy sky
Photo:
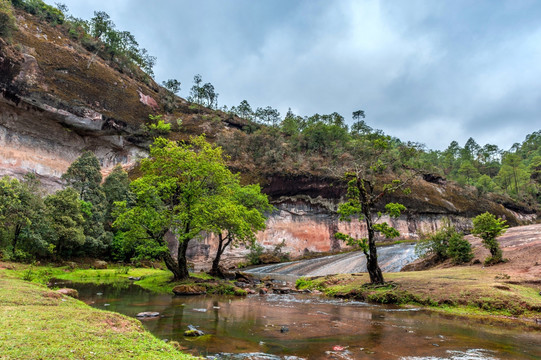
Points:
(423, 70)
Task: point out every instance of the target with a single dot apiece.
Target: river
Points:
(308, 327)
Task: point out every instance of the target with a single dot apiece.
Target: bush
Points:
(459, 249)
(446, 243)
(7, 20)
(488, 228)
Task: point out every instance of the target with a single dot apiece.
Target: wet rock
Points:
(284, 329)
(193, 331)
(242, 284)
(99, 264)
(244, 277)
(69, 292)
(133, 278)
(283, 290)
(189, 290)
(250, 291)
(148, 314)
(263, 291)
(99, 294)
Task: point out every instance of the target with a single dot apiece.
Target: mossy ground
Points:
(466, 290)
(38, 323)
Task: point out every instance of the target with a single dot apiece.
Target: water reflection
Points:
(317, 327)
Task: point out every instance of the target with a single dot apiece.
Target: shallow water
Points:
(255, 327)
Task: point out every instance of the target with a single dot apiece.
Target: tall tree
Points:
(66, 219)
(84, 175)
(178, 191)
(236, 218)
(365, 193)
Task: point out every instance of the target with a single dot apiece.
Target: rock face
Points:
(306, 223)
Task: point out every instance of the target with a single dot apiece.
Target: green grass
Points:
(38, 323)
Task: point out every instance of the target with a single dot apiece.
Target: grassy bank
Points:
(38, 323)
(459, 291)
(155, 280)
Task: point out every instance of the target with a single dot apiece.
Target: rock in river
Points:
(189, 290)
(148, 314)
(193, 331)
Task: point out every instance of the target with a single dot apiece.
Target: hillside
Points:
(57, 99)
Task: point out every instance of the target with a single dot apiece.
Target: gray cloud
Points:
(426, 71)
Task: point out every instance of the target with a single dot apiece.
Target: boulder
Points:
(263, 291)
(133, 278)
(69, 292)
(188, 289)
(99, 264)
(193, 331)
(148, 314)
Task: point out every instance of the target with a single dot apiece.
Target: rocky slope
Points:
(58, 100)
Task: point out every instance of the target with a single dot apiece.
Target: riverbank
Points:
(39, 323)
(464, 291)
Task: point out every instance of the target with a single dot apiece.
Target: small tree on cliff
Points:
(183, 188)
(364, 195)
(488, 228)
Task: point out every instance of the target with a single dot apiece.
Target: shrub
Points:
(488, 228)
(459, 249)
(7, 20)
(446, 243)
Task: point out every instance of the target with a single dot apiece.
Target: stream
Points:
(304, 326)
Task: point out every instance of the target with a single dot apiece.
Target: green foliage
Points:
(116, 188)
(254, 256)
(7, 20)
(203, 94)
(186, 188)
(84, 175)
(488, 228)
(445, 243)
(459, 249)
(42, 10)
(156, 127)
(66, 221)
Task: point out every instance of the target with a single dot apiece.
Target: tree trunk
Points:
(182, 261)
(374, 271)
(376, 276)
(215, 270)
(16, 236)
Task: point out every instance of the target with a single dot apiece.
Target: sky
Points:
(422, 70)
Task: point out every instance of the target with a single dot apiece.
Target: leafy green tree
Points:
(244, 110)
(268, 115)
(22, 216)
(488, 228)
(100, 24)
(469, 172)
(178, 191)
(238, 214)
(362, 201)
(173, 85)
(365, 193)
(84, 175)
(65, 216)
(116, 188)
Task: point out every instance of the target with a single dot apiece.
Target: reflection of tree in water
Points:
(376, 330)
